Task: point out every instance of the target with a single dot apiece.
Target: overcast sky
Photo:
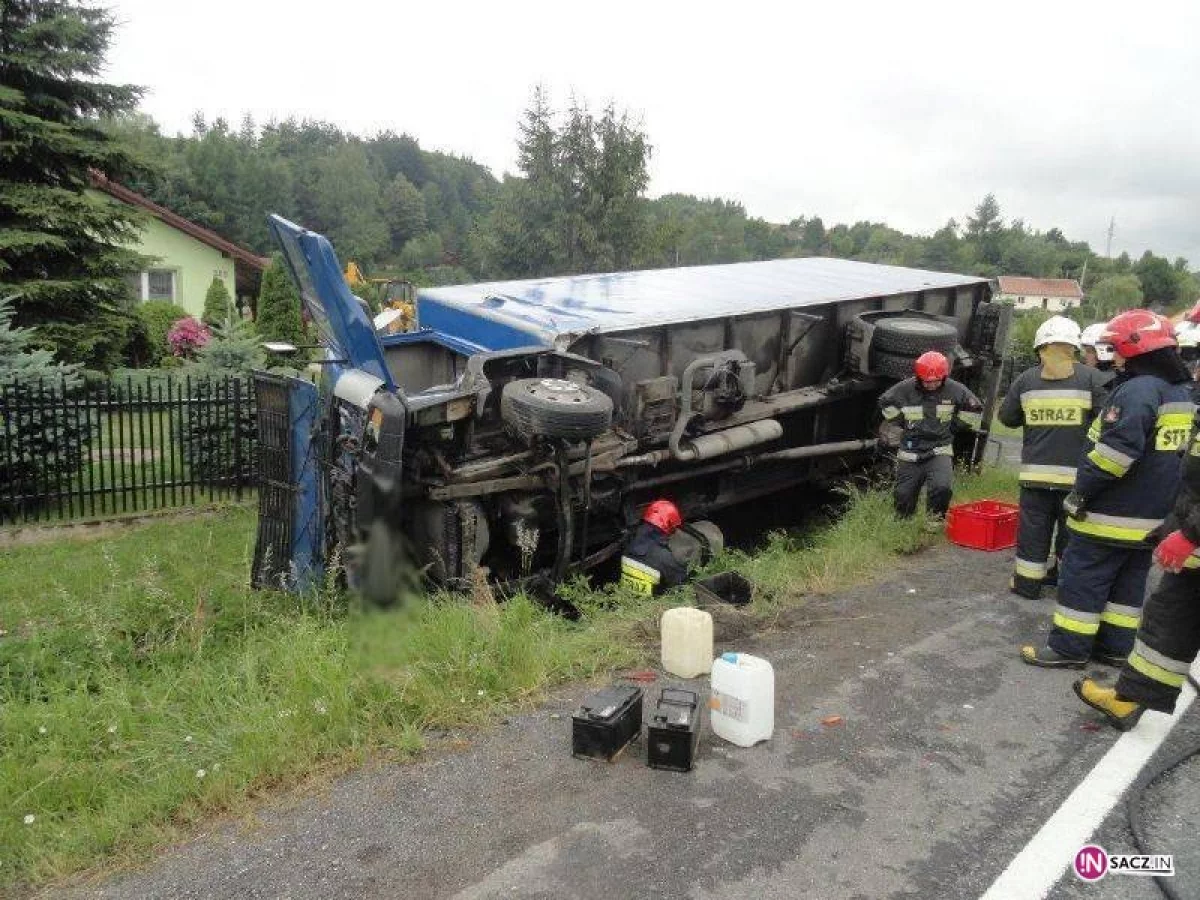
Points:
(907, 113)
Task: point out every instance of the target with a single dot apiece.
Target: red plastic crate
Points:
(983, 525)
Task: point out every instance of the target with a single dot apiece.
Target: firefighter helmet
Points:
(931, 366)
(1093, 336)
(1193, 314)
(663, 515)
(1057, 330)
(1138, 331)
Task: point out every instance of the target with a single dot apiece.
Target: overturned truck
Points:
(522, 427)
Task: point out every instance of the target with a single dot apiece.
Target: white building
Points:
(1052, 294)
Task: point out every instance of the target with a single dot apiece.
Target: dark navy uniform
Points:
(1169, 636)
(1055, 415)
(648, 565)
(930, 420)
(1127, 483)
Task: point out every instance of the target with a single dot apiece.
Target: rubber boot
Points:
(1121, 714)
(1045, 658)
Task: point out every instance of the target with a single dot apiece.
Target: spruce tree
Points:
(60, 247)
(278, 313)
(217, 304)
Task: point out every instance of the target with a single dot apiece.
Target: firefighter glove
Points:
(1074, 506)
(1174, 551)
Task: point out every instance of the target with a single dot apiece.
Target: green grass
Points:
(145, 688)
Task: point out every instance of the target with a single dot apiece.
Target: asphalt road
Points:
(950, 756)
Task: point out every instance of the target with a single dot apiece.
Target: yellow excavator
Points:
(393, 295)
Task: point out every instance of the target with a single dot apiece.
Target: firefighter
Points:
(1168, 638)
(1054, 403)
(1187, 333)
(1123, 489)
(1097, 354)
(648, 564)
(930, 408)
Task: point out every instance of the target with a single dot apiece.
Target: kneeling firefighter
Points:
(930, 408)
(648, 565)
(1054, 403)
(1168, 638)
(1124, 487)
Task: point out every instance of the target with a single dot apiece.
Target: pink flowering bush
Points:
(187, 336)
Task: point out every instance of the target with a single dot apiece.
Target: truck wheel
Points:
(889, 365)
(555, 408)
(910, 336)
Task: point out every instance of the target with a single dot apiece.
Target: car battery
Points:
(606, 722)
(674, 731)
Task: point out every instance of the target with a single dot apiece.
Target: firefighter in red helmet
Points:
(1124, 488)
(929, 409)
(648, 564)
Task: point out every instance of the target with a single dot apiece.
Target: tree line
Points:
(578, 202)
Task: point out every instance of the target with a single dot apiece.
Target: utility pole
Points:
(1112, 226)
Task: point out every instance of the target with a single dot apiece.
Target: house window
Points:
(160, 284)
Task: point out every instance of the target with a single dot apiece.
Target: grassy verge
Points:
(144, 687)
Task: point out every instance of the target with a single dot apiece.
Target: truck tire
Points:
(555, 408)
(891, 365)
(911, 336)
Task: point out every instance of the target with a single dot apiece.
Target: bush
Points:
(278, 317)
(217, 305)
(157, 317)
(187, 336)
(44, 443)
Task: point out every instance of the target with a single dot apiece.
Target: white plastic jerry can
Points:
(742, 703)
(687, 641)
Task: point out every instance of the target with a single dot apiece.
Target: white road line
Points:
(1037, 868)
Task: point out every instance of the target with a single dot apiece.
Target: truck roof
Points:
(502, 314)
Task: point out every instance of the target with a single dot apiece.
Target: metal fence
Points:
(96, 451)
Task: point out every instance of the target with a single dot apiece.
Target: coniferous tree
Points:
(278, 317)
(217, 304)
(60, 250)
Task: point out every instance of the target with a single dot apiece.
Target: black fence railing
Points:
(94, 451)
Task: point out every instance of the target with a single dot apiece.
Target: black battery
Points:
(674, 731)
(606, 722)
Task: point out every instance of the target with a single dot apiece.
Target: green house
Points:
(185, 256)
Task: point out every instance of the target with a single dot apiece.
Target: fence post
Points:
(237, 437)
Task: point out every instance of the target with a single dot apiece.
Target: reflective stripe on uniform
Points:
(1075, 621)
(1113, 528)
(1033, 472)
(943, 451)
(1156, 666)
(913, 412)
(1121, 616)
(1173, 425)
(1035, 571)
(945, 412)
(1114, 462)
(1055, 408)
(639, 576)
(890, 412)
(909, 456)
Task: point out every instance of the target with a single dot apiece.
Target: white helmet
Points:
(1187, 337)
(1057, 330)
(1091, 337)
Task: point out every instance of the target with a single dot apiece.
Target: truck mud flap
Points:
(288, 547)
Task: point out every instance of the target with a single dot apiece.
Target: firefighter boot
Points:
(1045, 658)
(1121, 714)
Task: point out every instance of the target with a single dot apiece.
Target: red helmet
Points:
(932, 366)
(1193, 314)
(1136, 332)
(663, 515)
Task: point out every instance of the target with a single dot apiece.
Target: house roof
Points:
(240, 254)
(1041, 287)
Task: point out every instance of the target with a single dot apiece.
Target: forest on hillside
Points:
(577, 204)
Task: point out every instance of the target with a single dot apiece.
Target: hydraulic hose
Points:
(1135, 804)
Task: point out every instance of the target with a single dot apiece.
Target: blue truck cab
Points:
(521, 428)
